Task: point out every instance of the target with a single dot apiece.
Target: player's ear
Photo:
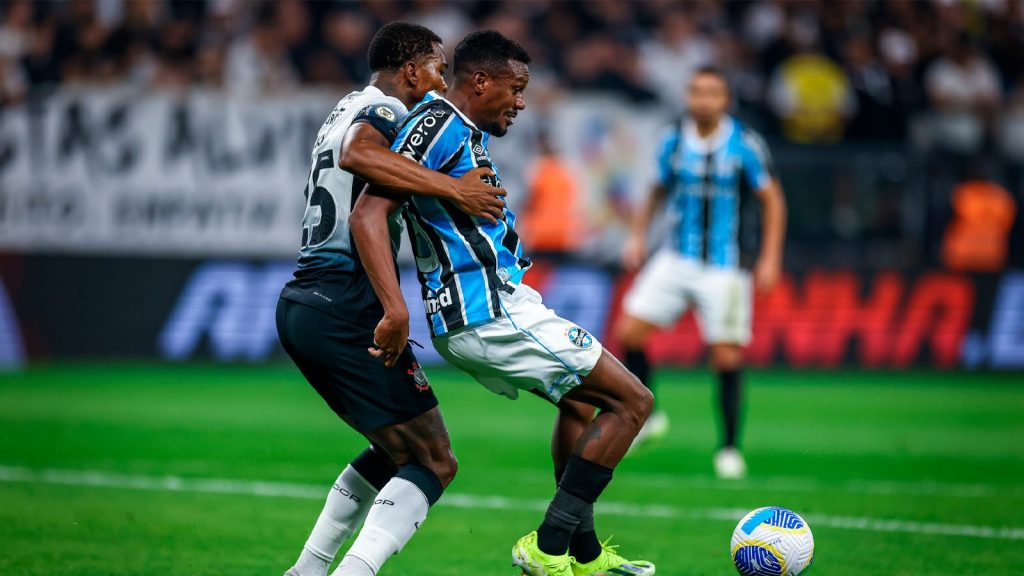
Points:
(410, 71)
(480, 81)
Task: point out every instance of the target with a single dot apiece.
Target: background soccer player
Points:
(713, 173)
(327, 314)
(485, 321)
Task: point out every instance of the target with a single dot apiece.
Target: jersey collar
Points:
(435, 95)
(712, 142)
(373, 90)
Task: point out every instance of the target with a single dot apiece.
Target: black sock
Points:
(375, 466)
(583, 544)
(637, 363)
(729, 402)
(581, 484)
(424, 479)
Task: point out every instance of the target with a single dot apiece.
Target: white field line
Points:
(17, 474)
(796, 484)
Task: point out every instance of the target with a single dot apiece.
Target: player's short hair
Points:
(399, 42)
(712, 70)
(487, 50)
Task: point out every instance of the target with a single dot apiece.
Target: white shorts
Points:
(529, 348)
(721, 297)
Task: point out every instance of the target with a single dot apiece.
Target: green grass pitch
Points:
(204, 469)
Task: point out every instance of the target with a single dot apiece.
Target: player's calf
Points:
(625, 405)
(348, 503)
(422, 450)
(398, 511)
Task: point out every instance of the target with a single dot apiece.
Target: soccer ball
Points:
(772, 541)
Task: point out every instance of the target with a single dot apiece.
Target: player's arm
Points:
(369, 224)
(635, 251)
(768, 268)
(757, 163)
(366, 153)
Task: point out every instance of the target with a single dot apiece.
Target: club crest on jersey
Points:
(419, 377)
(385, 113)
(579, 337)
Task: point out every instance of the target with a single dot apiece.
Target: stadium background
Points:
(152, 156)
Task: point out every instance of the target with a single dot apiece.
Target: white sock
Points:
(347, 504)
(399, 510)
(352, 566)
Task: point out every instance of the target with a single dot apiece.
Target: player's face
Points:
(707, 98)
(504, 97)
(430, 72)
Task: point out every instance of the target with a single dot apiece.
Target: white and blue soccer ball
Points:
(772, 541)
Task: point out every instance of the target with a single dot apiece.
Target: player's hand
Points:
(634, 253)
(478, 198)
(767, 272)
(390, 338)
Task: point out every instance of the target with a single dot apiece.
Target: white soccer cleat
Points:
(729, 464)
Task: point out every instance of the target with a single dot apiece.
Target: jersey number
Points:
(320, 219)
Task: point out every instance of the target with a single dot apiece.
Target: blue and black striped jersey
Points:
(462, 261)
(710, 182)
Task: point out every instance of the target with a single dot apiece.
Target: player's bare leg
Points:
(572, 420)
(625, 405)
(727, 363)
(390, 486)
(570, 424)
(633, 333)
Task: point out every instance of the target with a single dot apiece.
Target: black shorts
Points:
(332, 355)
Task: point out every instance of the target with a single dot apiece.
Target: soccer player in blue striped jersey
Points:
(487, 322)
(714, 175)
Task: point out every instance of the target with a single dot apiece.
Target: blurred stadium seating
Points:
(152, 155)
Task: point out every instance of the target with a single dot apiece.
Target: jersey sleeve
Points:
(668, 145)
(385, 116)
(432, 137)
(757, 162)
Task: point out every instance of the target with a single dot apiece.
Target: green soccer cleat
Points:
(529, 557)
(609, 563)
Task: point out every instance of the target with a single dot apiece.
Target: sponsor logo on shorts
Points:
(419, 377)
(579, 337)
(442, 300)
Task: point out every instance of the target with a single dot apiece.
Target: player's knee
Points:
(444, 466)
(638, 403)
(449, 468)
(645, 403)
(726, 359)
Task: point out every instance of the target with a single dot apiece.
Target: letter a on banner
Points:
(12, 351)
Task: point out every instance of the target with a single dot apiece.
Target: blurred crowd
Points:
(812, 71)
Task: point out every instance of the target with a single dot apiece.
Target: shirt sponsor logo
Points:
(441, 301)
(416, 139)
(385, 113)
